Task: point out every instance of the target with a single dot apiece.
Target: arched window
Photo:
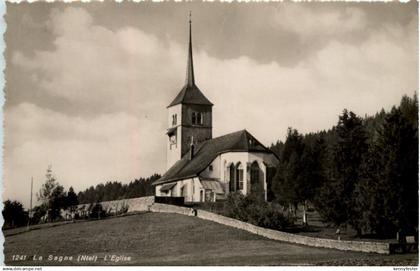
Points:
(255, 176)
(239, 176)
(231, 178)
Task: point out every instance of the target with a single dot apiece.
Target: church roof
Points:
(207, 151)
(190, 93)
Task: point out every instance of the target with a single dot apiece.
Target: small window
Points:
(174, 119)
(193, 118)
(211, 167)
(199, 119)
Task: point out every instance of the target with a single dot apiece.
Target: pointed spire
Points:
(189, 81)
(190, 93)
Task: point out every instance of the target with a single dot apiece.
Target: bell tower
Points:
(189, 115)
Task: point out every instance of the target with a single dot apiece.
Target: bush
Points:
(255, 210)
(37, 213)
(97, 211)
(14, 215)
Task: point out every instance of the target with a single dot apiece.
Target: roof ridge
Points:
(236, 132)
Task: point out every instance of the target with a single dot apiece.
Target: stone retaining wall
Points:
(141, 204)
(166, 208)
(376, 247)
(361, 246)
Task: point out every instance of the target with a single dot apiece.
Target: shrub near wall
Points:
(256, 211)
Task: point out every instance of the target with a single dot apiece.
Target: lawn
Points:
(172, 239)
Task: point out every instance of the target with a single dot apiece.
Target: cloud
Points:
(116, 85)
(310, 22)
(92, 65)
(83, 152)
(267, 98)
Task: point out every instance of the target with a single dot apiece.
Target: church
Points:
(201, 168)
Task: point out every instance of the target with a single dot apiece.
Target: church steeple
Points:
(189, 80)
(190, 93)
(189, 115)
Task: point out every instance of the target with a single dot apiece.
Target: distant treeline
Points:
(115, 190)
(54, 198)
(363, 172)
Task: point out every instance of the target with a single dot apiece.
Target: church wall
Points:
(170, 193)
(226, 159)
(199, 132)
(197, 190)
(173, 151)
(157, 190)
(205, 110)
(192, 188)
(215, 173)
(246, 158)
(220, 172)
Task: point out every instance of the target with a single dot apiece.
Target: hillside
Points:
(171, 239)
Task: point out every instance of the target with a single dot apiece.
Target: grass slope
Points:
(171, 239)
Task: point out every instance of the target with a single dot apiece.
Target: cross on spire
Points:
(189, 81)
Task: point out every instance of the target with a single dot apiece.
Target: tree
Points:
(115, 190)
(300, 171)
(287, 180)
(71, 198)
(392, 170)
(277, 148)
(312, 172)
(363, 172)
(52, 195)
(14, 214)
(337, 196)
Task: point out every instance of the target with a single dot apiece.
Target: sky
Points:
(87, 84)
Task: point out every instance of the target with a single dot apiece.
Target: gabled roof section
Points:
(190, 93)
(207, 151)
